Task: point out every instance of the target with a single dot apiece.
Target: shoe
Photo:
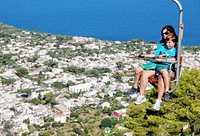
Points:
(167, 97)
(140, 99)
(157, 105)
(132, 91)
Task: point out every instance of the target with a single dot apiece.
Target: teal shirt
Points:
(161, 44)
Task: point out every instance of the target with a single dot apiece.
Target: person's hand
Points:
(181, 26)
(138, 55)
(160, 60)
(161, 56)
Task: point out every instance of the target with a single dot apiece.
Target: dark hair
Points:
(170, 29)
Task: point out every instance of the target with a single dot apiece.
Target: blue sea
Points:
(114, 20)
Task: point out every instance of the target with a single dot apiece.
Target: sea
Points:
(113, 20)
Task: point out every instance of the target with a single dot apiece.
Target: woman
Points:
(165, 31)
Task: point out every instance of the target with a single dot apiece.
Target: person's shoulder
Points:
(159, 46)
(175, 48)
(164, 47)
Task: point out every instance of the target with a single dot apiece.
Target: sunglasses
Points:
(165, 33)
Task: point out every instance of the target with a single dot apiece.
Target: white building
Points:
(105, 104)
(80, 87)
(60, 118)
(63, 110)
(36, 120)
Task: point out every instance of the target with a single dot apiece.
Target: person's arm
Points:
(181, 26)
(147, 55)
(166, 60)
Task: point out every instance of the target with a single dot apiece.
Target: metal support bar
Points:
(179, 43)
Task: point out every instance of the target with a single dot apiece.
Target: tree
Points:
(114, 120)
(118, 93)
(24, 134)
(56, 124)
(86, 130)
(27, 91)
(5, 59)
(74, 114)
(97, 113)
(117, 76)
(197, 127)
(105, 109)
(184, 109)
(21, 72)
(107, 122)
(48, 97)
(26, 121)
(109, 112)
(35, 101)
(77, 131)
(7, 81)
(46, 133)
(51, 63)
(107, 83)
(39, 97)
(59, 85)
(70, 83)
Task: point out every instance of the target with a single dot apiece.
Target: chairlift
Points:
(153, 80)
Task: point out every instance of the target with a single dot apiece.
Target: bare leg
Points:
(160, 87)
(165, 75)
(138, 70)
(144, 80)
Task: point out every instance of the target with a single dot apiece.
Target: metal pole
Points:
(179, 44)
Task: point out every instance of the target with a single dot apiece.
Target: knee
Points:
(138, 70)
(164, 72)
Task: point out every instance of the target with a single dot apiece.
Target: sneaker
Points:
(167, 97)
(132, 91)
(157, 105)
(140, 99)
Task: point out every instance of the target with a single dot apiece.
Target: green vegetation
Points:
(63, 39)
(191, 49)
(117, 76)
(97, 72)
(91, 120)
(59, 85)
(40, 77)
(7, 81)
(184, 109)
(46, 99)
(46, 133)
(74, 69)
(27, 91)
(51, 63)
(21, 72)
(5, 59)
(33, 59)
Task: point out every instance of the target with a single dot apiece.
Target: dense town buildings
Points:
(43, 77)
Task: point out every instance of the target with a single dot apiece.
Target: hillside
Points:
(64, 85)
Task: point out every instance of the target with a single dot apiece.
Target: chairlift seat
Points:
(153, 80)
